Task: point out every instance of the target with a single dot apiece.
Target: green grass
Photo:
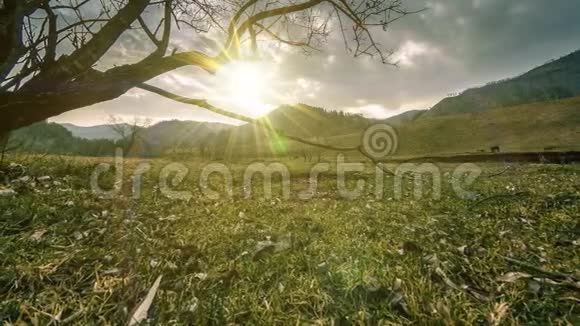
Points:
(339, 260)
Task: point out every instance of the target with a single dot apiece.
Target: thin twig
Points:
(500, 196)
(541, 270)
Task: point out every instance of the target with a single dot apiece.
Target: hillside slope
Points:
(551, 125)
(300, 120)
(180, 136)
(557, 79)
(53, 138)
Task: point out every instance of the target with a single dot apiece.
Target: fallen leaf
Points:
(372, 284)
(153, 263)
(431, 260)
(200, 276)
(446, 279)
(512, 277)
(397, 285)
(192, 308)
(142, 310)
(283, 244)
(569, 299)
(112, 271)
(58, 315)
(549, 281)
(37, 235)
(171, 265)
(263, 248)
(44, 178)
(498, 314)
(397, 301)
(7, 193)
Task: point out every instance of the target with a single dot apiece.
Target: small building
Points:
(495, 149)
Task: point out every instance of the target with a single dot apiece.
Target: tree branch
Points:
(52, 38)
(162, 47)
(281, 40)
(83, 58)
(232, 43)
(96, 47)
(263, 124)
(29, 106)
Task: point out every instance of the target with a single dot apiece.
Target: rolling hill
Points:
(177, 136)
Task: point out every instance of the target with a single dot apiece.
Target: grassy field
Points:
(70, 257)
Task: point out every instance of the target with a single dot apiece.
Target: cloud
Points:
(374, 111)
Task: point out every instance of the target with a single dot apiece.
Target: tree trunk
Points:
(26, 107)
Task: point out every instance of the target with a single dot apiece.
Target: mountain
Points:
(177, 136)
(218, 140)
(556, 79)
(405, 117)
(94, 132)
(299, 120)
(162, 137)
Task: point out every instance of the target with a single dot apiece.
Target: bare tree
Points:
(4, 140)
(130, 133)
(51, 48)
(7, 146)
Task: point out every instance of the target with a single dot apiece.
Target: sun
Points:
(245, 85)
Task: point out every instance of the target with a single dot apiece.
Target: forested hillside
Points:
(53, 138)
(557, 79)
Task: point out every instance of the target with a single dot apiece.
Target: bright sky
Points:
(454, 45)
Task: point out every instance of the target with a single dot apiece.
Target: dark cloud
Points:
(453, 45)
